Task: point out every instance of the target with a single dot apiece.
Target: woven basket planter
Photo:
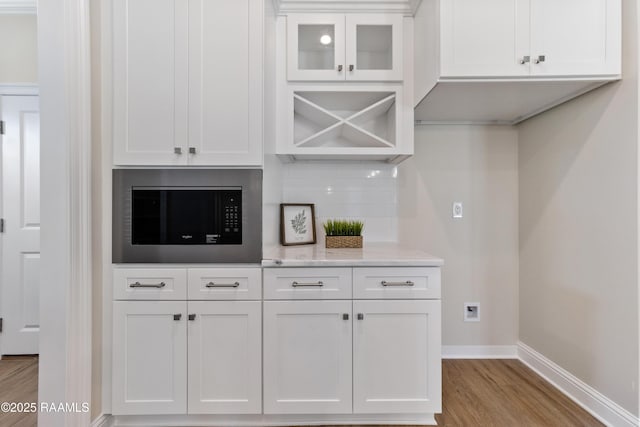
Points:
(343, 242)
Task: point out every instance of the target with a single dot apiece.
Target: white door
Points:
(150, 82)
(225, 75)
(396, 356)
(307, 357)
(374, 47)
(575, 37)
(20, 279)
(225, 357)
(149, 357)
(316, 47)
(485, 38)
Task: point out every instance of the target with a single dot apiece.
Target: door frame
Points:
(65, 303)
(17, 89)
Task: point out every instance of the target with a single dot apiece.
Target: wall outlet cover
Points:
(471, 311)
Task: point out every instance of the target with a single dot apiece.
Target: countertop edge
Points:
(274, 263)
(373, 255)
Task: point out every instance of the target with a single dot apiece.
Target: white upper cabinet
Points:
(225, 75)
(575, 37)
(348, 122)
(503, 61)
(374, 47)
(509, 38)
(187, 82)
(484, 38)
(315, 47)
(149, 81)
(329, 47)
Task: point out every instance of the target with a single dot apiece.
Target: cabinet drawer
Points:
(396, 283)
(149, 284)
(224, 283)
(307, 283)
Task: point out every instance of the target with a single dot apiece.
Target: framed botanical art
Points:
(297, 224)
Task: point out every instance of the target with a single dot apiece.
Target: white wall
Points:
(578, 232)
(478, 166)
(18, 44)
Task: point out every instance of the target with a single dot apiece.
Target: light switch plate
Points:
(457, 210)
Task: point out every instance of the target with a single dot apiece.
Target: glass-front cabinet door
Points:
(315, 47)
(374, 47)
(326, 47)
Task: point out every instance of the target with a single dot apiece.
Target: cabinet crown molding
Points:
(404, 7)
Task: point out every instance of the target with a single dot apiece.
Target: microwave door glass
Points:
(186, 216)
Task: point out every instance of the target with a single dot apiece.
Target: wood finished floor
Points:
(18, 383)
(504, 393)
(476, 393)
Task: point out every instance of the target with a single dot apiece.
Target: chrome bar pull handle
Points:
(177, 316)
(152, 285)
(317, 284)
(407, 283)
(340, 68)
(192, 150)
(360, 316)
(525, 59)
(222, 285)
(177, 150)
(351, 67)
(345, 316)
(192, 317)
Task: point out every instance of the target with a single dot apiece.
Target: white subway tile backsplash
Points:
(347, 190)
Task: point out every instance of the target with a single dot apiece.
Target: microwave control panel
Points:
(232, 218)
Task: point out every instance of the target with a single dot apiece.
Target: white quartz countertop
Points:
(371, 255)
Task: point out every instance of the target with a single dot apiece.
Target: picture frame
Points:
(297, 224)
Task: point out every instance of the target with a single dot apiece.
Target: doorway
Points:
(20, 224)
(19, 207)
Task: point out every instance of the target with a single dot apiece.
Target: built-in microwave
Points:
(187, 215)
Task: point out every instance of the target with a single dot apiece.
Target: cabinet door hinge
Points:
(1, 127)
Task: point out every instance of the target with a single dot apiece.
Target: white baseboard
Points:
(103, 421)
(479, 352)
(594, 402)
(274, 420)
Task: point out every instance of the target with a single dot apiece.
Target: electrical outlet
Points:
(471, 311)
(457, 210)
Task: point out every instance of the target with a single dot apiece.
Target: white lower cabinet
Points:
(379, 354)
(307, 357)
(225, 360)
(189, 357)
(364, 346)
(149, 357)
(396, 356)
